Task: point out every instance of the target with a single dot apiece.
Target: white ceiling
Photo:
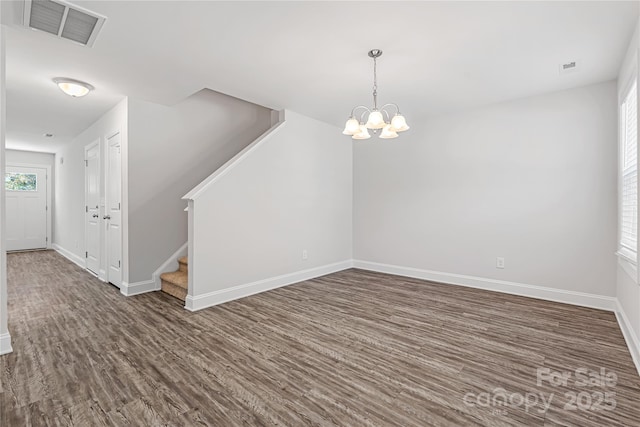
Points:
(311, 57)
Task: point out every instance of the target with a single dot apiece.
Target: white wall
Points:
(628, 289)
(18, 156)
(69, 182)
(293, 192)
(532, 180)
(171, 150)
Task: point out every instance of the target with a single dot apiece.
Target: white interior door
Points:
(113, 214)
(92, 207)
(26, 207)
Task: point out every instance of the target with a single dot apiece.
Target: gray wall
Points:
(171, 150)
(293, 192)
(532, 180)
(69, 182)
(18, 156)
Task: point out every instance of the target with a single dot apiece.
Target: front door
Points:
(26, 208)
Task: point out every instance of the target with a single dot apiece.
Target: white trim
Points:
(624, 88)
(539, 292)
(49, 182)
(190, 244)
(124, 195)
(5, 344)
(627, 255)
(235, 160)
(3, 227)
(225, 295)
(80, 262)
(170, 264)
(628, 267)
(88, 148)
(137, 288)
(629, 335)
(550, 294)
(104, 260)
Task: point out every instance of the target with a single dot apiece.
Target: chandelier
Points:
(378, 118)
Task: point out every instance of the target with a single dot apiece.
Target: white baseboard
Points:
(629, 335)
(170, 264)
(79, 261)
(550, 294)
(225, 295)
(521, 289)
(5, 344)
(137, 288)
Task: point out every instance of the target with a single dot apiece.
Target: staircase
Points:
(175, 283)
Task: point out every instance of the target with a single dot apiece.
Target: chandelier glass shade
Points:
(388, 117)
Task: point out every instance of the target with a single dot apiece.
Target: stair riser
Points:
(174, 291)
(177, 278)
(175, 283)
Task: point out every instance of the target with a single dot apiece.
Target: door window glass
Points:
(21, 181)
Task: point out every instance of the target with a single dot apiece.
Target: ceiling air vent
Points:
(63, 20)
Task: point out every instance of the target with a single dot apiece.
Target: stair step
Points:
(177, 278)
(176, 282)
(183, 264)
(174, 290)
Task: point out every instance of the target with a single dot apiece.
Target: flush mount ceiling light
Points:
(73, 87)
(376, 118)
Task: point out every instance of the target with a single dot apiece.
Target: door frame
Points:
(48, 177)
(105, 201)
(124, 195)
(101, 272)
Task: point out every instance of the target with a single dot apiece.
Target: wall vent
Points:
(568, 67)
(63, 20)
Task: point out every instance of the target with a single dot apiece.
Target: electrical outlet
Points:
(499, 262)
(305, 255)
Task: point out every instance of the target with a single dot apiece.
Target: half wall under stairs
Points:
(175, 283)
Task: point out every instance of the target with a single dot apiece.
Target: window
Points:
(21, 182)
(629, 174)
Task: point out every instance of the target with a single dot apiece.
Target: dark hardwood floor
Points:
(352, 349)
